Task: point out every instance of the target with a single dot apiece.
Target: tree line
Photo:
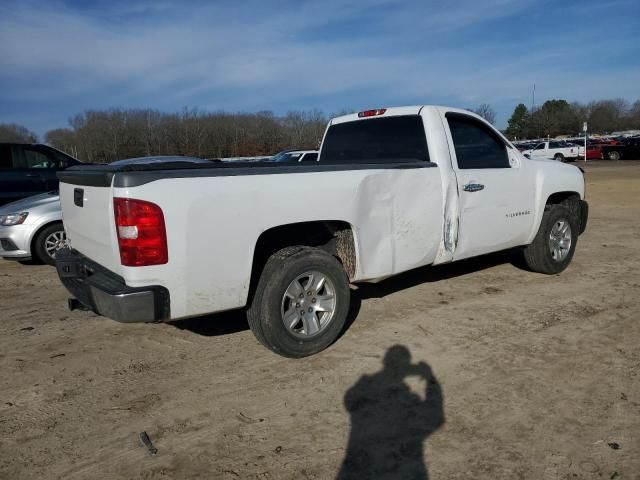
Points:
(558, 117)
(106, 135)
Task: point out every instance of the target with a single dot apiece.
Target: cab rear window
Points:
(398, 139)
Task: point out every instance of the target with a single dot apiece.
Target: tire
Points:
(613, 155)
(46, 241)
(539, 255)
(559, 157)
(284, 273)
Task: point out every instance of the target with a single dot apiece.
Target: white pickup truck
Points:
(555, 149)
(394, 189)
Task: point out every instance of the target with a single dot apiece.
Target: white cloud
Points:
(251, 55)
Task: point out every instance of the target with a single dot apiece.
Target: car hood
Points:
(30, 203)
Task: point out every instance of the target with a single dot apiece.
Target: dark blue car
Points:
(28, 169)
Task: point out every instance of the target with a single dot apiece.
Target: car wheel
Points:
(301, 302)
(559, 157)
(48, 241)
(613, 155)
(552, 249)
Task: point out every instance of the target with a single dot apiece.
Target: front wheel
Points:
(552, 249)
(613, 155)
(301, 302)
(47, 242)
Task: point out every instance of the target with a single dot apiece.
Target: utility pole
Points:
(584, 129)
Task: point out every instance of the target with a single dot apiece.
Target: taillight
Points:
(372, 113)
(142, 236)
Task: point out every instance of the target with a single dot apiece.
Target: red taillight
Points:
(372, 113)
(142, 237)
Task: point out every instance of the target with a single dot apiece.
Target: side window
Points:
(555, 145)
(37, 159)
(540, 147)
(5, 157)
(476, 145)
(310, 157)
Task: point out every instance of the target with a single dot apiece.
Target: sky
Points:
(59, 58)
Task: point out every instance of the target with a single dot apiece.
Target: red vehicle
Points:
(594, 151)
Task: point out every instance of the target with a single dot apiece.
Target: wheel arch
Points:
(336, 237)
(562, 197)
(37, 231)
(570, 198)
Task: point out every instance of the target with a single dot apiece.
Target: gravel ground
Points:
(478, 369)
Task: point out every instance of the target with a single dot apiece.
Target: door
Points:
(49, 169)
(496, 196)
(540, 151)
(16, 179)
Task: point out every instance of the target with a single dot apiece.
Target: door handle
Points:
(32, 175)
(473, 187)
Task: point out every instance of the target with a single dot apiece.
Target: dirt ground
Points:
(530, 376)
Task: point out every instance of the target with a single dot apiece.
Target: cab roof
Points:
(397, 111)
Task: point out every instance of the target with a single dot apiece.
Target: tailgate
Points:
(87, 214)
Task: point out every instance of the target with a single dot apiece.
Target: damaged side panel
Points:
(439, 149)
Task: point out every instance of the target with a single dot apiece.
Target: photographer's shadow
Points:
(389, 422)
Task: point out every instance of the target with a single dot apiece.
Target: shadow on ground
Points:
(234, 321)
(389, 422)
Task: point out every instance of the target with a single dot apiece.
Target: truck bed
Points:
(214, 214)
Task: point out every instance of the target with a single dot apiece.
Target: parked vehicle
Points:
(394, 189)
(554, 149)
(594, 151)
(522, 146)
(31, 228)
(294, 156)
(628, 149)
(28, 169)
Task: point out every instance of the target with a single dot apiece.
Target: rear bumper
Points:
(106, 294)
(584, 216)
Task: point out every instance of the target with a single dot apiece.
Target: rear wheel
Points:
(552, 249)
(48, 241)
(301, 302)
(613, 155)
(559, 157)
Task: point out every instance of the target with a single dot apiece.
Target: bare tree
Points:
(11, 132)
(486, 112)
